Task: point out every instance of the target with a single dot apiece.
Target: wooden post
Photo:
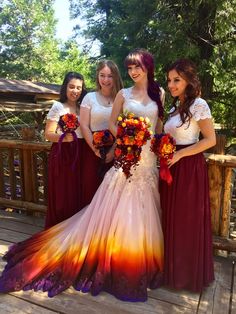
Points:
(45, 177)
(219, 148)
(12, 177)
(2, 191)
(28, 177)
(220, 144)
(21, 169)
(28, 133)
(215, 187)
(225, 204)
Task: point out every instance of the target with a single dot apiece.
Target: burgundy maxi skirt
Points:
(74, 175)
(92, 173)
(187, 225)
(64, 181)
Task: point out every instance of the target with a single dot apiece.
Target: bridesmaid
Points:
(95, 112)
(64, 197)
(185, 203)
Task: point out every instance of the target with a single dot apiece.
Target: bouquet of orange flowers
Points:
(164, 146)
(132, 134)
(68, 123)
(103, 140)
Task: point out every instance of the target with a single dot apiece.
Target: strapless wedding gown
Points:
(115, 244)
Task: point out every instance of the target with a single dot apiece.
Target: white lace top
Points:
(57, 110)
(99, 113)
(188, 133)
(149, 110)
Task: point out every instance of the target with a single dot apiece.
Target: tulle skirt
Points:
(115, 244)
(187, 225)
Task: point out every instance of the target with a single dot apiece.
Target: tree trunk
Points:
(205, 37)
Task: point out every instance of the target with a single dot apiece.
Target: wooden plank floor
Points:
(219, 298)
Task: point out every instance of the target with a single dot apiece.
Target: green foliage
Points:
(72, 59)
(27, 27)
(28, 47)
(203, 30)
(19, 118)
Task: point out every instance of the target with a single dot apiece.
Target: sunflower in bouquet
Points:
(132, 133)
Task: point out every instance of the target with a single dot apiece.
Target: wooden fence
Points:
(23, 183)
(23, 175)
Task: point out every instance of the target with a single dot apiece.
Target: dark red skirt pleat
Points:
(92, 174)
(64, 181)
(74, 175)
(187, 225)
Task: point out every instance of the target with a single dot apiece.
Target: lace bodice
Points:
(99, 113)
(150, 110)
(188, 133)
(57, 110)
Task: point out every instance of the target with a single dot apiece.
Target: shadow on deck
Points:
(219, 298)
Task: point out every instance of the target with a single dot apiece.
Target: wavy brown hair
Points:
(187, 70)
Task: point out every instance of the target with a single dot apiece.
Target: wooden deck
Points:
(219, 298)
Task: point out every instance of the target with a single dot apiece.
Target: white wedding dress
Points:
(115, 244)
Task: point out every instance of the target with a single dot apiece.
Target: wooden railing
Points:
(220, 183)
(23, 175)
(23, 183)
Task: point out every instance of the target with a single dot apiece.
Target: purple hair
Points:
(145, 60)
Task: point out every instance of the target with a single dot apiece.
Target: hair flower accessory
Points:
(132, 134)
(164, 146)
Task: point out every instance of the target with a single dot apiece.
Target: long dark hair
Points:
(187, 70)
(145, 60)
(68, 77)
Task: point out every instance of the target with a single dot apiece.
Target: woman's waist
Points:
(180, 146)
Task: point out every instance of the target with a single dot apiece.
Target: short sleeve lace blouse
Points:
(188, 133)
(57, 110)
(99, 113)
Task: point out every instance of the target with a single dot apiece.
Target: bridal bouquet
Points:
(164, 146)
(68, 123)
(132, 134)
(103, 141)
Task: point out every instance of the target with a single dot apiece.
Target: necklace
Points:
(104, 100)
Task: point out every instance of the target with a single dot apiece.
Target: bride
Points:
(115, 244)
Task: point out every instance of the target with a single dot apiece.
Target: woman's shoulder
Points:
(55, 111)
(89, 96)
(125, 92)
(199, 103)
(200, 100)
(57, 106)
(200, 109)
(89, 99)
